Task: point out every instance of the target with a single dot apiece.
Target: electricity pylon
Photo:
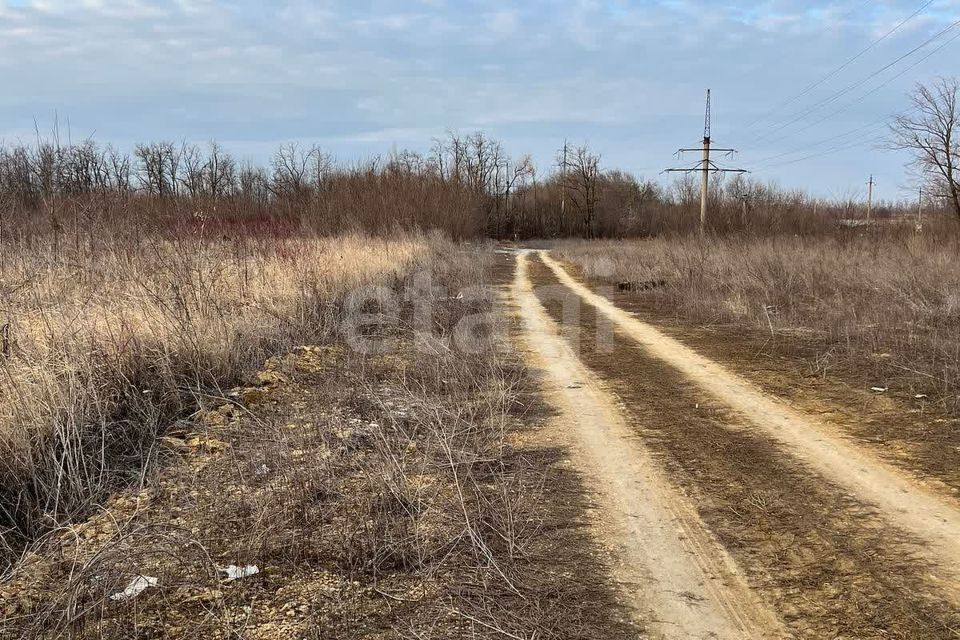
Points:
(706, 166)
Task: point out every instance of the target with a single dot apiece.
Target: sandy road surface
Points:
(933, 519)
(677, 577)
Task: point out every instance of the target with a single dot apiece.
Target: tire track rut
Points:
(931, 519)
(675, 574)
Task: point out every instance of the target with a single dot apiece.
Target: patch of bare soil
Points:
(832, 568)
(340, 496)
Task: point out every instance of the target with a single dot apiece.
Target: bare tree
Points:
(930, 131)
(16, 176)
(512, 177)
(192, 175)
(408, 163)
(483, 157)
(254, 184)
(581, 178)
(473, 160)
(44, 165)
(220, 172)
(82, 168)
(159, 164)
(118, 169)
(292, 166)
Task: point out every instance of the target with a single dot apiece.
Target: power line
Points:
(870, 129)
(848, 89)
(820, 154)
(814, 145)
(836, 96)
(843, 66)
(875, 89)
(868, 134)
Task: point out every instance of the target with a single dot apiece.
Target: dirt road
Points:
(931, 518)
(686, 586)
(850, 536)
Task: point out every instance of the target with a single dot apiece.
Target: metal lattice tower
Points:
(706, 166)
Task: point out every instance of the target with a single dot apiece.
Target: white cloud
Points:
(366, 72)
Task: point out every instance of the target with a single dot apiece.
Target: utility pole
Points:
(920, 208)
(705, 173)
(705, 166)
(870, 197)
(563, 179)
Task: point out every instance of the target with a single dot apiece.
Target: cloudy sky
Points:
(363, 77)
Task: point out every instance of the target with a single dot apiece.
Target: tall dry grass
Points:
(114, 334)
(396, 476)
(889, 293)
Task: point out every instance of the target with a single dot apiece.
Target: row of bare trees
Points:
(466, 185)
(31, 173)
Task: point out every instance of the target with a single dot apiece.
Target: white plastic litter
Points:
(233, 572)
(878, 389)
(920, 396)
(137, 586)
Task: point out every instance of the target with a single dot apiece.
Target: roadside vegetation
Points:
(887, 297)
(370, 492)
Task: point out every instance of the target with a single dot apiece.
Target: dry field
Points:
(173, 407)
(112, 338)
(891, 298)
(211, 434)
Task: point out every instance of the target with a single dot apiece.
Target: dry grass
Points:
(891, 296)
(380, 494)
(115, 335)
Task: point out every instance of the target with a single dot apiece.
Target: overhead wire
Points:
(872, 125)
(819, 143)
(839, 94)
(843, 66)
(875, 89)
(855, 143)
